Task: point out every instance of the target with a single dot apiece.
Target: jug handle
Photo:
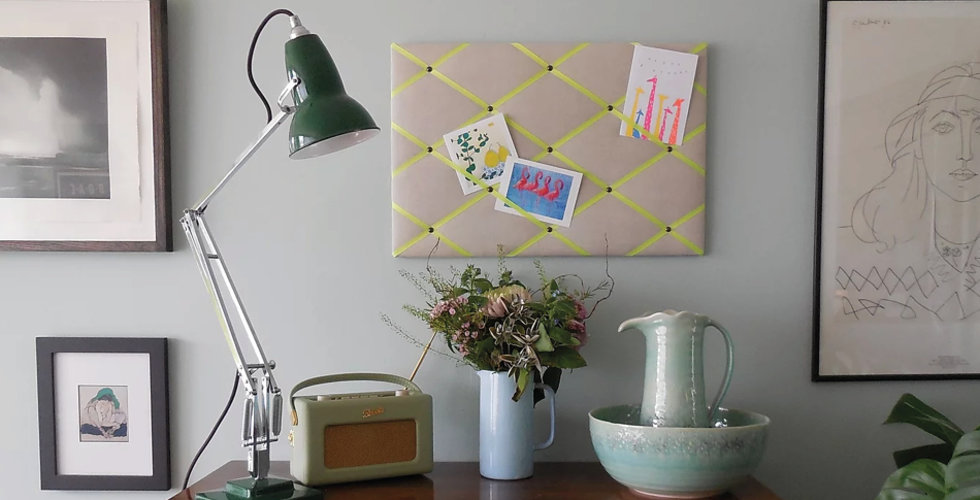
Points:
(549, 394)
(728, 371)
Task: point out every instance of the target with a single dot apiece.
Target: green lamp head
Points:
(326, 118)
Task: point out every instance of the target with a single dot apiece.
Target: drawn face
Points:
(950, 139)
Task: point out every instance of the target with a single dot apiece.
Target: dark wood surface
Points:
(461, 481)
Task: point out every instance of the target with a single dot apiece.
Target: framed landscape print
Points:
(84, 163)
(103, 413)
(898, 259)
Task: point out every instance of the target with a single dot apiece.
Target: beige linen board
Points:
(562, 103)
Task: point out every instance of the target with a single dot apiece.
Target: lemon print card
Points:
(481, 149)
(659, 94)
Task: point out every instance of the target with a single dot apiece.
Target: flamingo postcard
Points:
(481, 149)
(548, 193)
(659, 94)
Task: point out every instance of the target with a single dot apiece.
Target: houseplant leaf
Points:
(963, 471)
(923, 479)
(941, 452)
(968, 493)
(969, 444)
(911, 410)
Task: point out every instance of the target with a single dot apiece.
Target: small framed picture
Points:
(545, 192)
(898, 192)
(103, 413)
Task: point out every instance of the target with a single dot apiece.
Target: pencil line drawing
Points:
(924, 216)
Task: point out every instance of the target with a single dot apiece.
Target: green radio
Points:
(339, 438)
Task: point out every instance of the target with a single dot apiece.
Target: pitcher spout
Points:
(647, 318)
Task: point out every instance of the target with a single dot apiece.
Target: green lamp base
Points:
(261, 489)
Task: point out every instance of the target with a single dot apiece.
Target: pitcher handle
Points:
(728, 371)
(549, 394)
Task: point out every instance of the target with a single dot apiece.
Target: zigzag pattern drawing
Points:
(925, 282)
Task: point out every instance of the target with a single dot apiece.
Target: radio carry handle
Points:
(349, 377)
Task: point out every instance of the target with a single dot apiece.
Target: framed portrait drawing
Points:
(103, 413)
(84, 161)
(897, 288)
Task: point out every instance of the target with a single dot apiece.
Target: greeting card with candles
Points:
(659, 94)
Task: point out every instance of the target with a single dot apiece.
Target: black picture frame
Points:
(941, 367)
(153, 116)
(51, 478)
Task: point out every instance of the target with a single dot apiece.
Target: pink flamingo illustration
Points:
(544, 189)
(522, 184)
(559, 185)
(534, 185)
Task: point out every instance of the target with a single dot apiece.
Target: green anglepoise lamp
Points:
(324, 119)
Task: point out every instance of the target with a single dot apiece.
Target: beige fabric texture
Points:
(637, 197)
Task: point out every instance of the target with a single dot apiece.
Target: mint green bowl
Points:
(678, 462)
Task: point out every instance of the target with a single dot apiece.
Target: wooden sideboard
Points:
(462, 481)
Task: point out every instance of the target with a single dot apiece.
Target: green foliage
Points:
(923, 472)
(507, 326)
(911, 410)
(927, 479)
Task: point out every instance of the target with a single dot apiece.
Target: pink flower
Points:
(578, 331)
(580, 312)
(496, 308)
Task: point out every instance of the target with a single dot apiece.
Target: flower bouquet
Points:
(532, 334)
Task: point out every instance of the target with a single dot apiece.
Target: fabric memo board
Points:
(562, 103)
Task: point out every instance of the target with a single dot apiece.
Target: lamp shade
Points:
(326, 118)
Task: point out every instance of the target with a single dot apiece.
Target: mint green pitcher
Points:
(673, 388)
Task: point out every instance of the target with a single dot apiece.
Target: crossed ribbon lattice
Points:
(609, 189)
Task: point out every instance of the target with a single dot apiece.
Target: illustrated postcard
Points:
(482, 150)
(546, 192)
(659, 94)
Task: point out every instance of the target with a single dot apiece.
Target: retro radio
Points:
(338, 438)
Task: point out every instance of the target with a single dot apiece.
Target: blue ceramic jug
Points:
(673, 389)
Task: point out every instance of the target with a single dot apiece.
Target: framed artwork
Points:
(898, 191)
(84, 161)
(103, 411)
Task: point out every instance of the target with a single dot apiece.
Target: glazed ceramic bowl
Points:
(678, 462)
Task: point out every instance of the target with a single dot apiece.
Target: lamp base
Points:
(269, 488)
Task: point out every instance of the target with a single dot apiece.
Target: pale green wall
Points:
(316, 274)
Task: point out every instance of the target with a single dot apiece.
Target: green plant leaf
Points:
(522, 376)
(552, 377)
(940, 452)
(562, 336)
(963, 472)
(482, 285)
(968, 493)
(911, 410)
(896, 494)
(563, 357)
(543, 343)
(969, 444)
(922, 479)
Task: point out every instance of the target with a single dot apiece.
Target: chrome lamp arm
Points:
(262, 420)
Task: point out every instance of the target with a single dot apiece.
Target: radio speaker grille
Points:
(354, 445)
